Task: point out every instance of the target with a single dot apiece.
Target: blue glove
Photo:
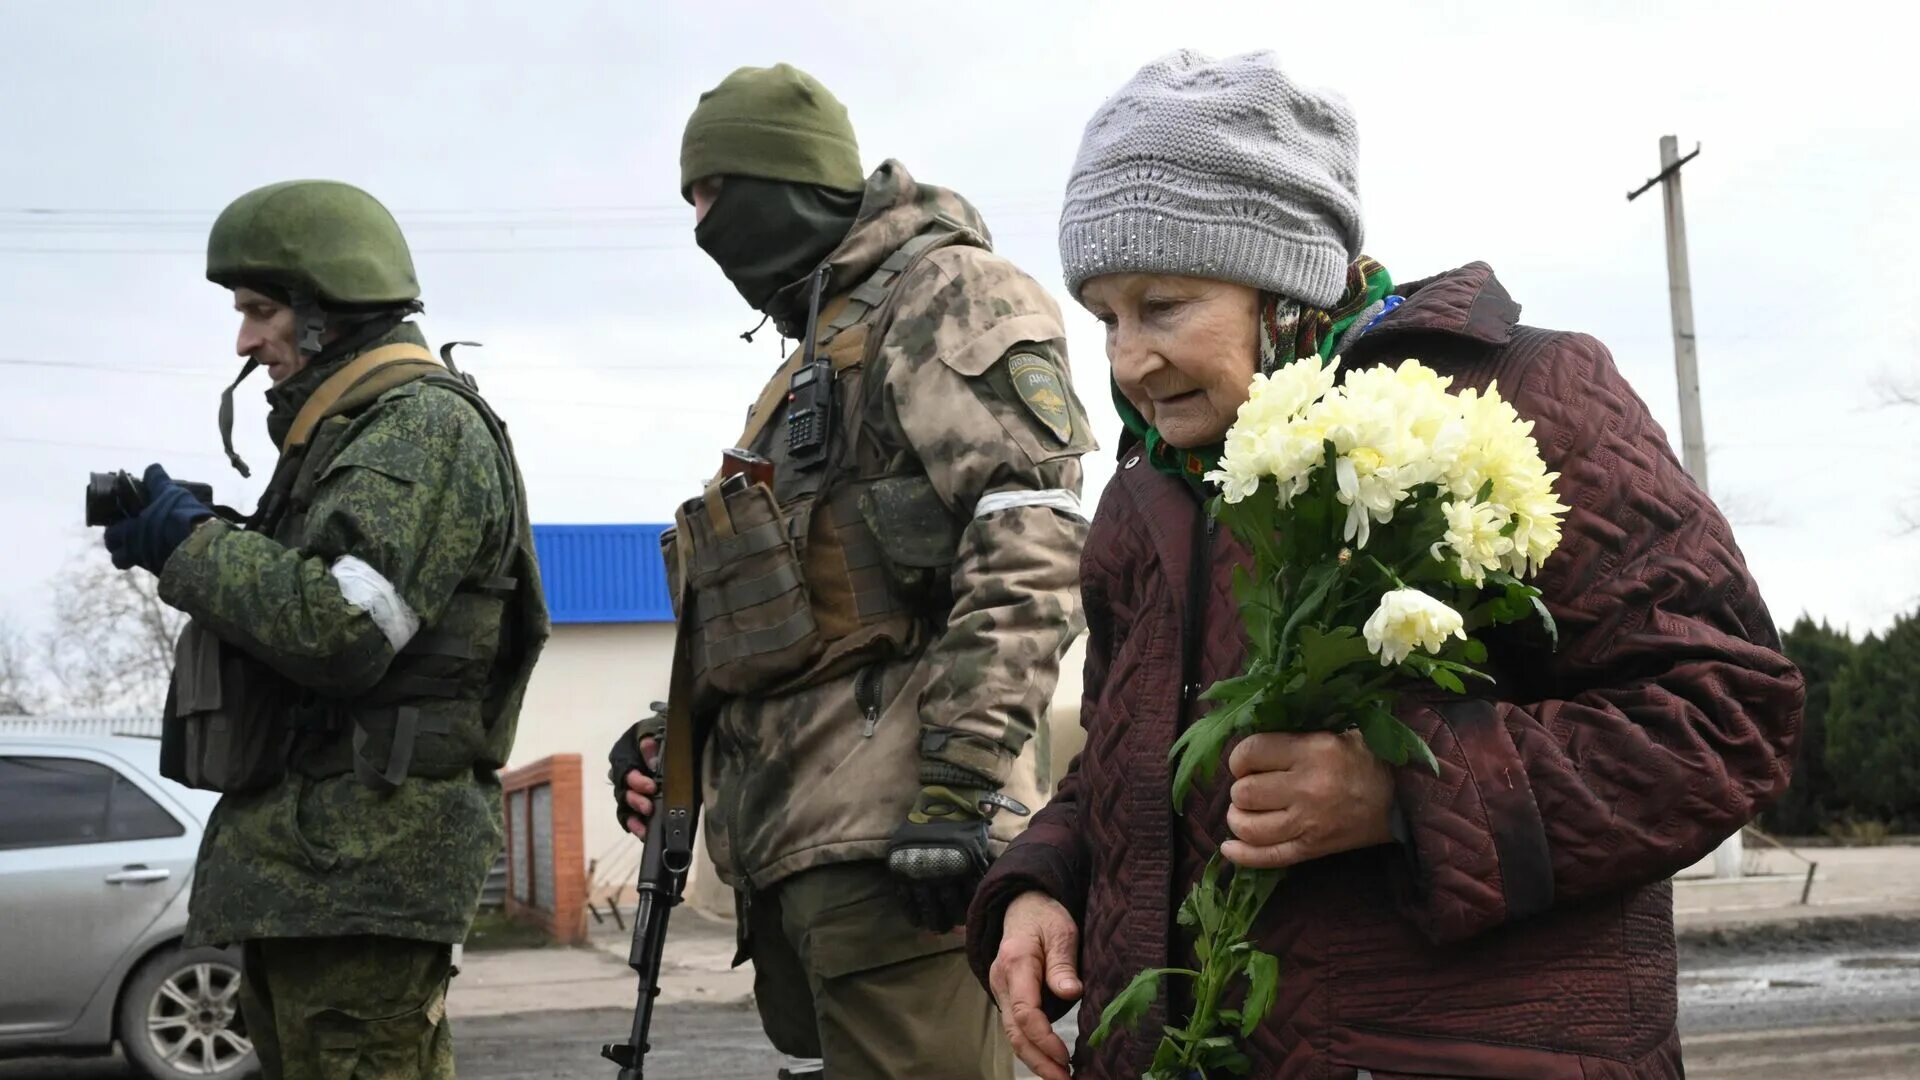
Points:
(149, 538)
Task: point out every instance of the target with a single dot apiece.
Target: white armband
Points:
(1053, 498)
(363, 587)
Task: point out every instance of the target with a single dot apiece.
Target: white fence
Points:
(146, 726)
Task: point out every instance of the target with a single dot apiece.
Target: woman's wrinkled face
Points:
(1183, 349)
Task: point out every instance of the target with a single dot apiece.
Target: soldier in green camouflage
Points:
(874, 696)
(369, 631)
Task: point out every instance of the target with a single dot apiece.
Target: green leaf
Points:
(1421, 752)
(1546, 620)
(1382, 732)
(1257, 610)
(1475, 651)
(1189, 913)
(1264, 882)
(1168, 1061)
(1324, 652)
(1126, 1009)
(1230, 1016)
(1263, 986)
(1219, 1052)
(1314, 586)
(1200, 747)
(1234, 1062)
(1228, 692)
(1467, 670)
(1446, 680)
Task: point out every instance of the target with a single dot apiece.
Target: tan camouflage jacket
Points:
(977, 392)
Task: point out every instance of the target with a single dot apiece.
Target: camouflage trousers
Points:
(348, 1008)
(839, 974)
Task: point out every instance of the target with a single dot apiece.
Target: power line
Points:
(85, 365)
(743, 366)
(111, 448)
(529, 249)
(1030, 199)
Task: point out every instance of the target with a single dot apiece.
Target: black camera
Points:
(116, 496)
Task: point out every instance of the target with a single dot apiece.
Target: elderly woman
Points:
(1510, 917)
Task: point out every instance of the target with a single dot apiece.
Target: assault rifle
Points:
(664, 862)
(668, 854)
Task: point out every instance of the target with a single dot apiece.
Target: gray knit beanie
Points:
(1218, 169)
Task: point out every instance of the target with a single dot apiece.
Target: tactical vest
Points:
(829, 568)
(449, 702)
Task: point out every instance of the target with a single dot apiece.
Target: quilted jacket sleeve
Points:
(1664, 721)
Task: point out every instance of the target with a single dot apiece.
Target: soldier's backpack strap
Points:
(871, 293)
(409, 722)
(363, 379)
(848, 311)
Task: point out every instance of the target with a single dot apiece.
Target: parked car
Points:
(96, 863)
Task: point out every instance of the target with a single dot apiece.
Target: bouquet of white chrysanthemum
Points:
(1388, 519)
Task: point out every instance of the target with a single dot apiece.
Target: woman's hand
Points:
(1301, 796)
(1037, 940)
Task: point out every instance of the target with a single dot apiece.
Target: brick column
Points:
(553, 859)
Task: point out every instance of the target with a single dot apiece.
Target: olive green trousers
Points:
(841, 975)
(348, 1008)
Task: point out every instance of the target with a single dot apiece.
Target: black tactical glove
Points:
(625, 757)
(149, 538)
(939, 855)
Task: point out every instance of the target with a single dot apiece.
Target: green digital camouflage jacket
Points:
(978, 392)
(415, 489)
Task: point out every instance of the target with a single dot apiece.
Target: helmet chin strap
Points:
(310, 322)
(226, 417)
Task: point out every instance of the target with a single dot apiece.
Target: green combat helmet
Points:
(328, 248)
(323, 238)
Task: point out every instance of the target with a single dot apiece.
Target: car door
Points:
(88, 860)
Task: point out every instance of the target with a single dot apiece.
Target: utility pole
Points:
(1730, 855)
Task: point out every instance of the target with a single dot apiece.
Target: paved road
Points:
(1836, 1016)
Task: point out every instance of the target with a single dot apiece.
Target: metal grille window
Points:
(517, 842)
(542, 844)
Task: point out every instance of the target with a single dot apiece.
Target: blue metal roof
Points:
(603, 573)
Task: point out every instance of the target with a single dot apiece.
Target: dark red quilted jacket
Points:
(1525, 927)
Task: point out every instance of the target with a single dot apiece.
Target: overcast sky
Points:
(533, 160)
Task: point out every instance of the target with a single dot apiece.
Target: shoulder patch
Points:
(1037, 382)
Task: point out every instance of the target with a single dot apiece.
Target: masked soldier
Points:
(358, 648)
(876, 620)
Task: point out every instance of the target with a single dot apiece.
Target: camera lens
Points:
(111, 497)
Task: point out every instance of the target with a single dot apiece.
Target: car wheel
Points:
(180, 1017)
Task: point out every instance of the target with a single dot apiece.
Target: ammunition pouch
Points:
(230, 720)
(917, 536)
(740, 563)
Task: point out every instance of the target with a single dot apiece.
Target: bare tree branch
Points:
(1745, 510)
(111, 649)
(19, 688)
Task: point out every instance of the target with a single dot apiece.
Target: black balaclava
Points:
(768, 234)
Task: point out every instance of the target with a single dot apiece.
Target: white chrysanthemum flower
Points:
(1500, 448)
(1268, 438)
(1536, 533)
(1475, 537)
(1408, 619)
(1394, 429)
